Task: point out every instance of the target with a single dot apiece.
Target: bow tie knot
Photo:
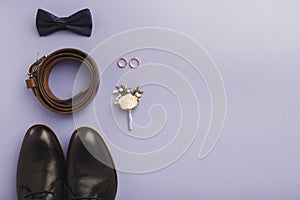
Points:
(80, 22)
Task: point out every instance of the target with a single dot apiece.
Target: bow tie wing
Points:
(81, 22)
(46, 22)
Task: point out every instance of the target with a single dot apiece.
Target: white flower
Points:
(128, 102)
(115, 91)
(119, 96)
(138, 94)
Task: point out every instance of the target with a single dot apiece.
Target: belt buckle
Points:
(34, 67)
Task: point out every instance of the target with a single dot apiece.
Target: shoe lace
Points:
(38, 195)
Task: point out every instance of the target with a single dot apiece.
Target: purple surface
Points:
(256, 46)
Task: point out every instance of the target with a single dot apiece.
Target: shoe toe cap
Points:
(91, 169)
(41, 162)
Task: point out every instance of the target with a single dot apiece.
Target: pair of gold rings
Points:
(133, 63)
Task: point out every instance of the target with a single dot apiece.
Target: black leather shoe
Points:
(90, 169)
(40, 173)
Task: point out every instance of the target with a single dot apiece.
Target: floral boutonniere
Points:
(128, 99)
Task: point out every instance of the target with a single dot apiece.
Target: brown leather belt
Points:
(39, 73)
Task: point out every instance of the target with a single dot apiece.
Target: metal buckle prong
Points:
(34, 67)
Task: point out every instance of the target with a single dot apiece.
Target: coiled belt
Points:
(39, 73)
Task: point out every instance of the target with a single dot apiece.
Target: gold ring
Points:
(132, 61)
(122, 62)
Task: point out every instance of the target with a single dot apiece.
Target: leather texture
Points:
(80, 22)
(41, 166)
(90, 169)
(39, 73)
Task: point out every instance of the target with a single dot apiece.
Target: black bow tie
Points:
(80, 22)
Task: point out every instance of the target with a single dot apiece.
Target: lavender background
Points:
(256, 46)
